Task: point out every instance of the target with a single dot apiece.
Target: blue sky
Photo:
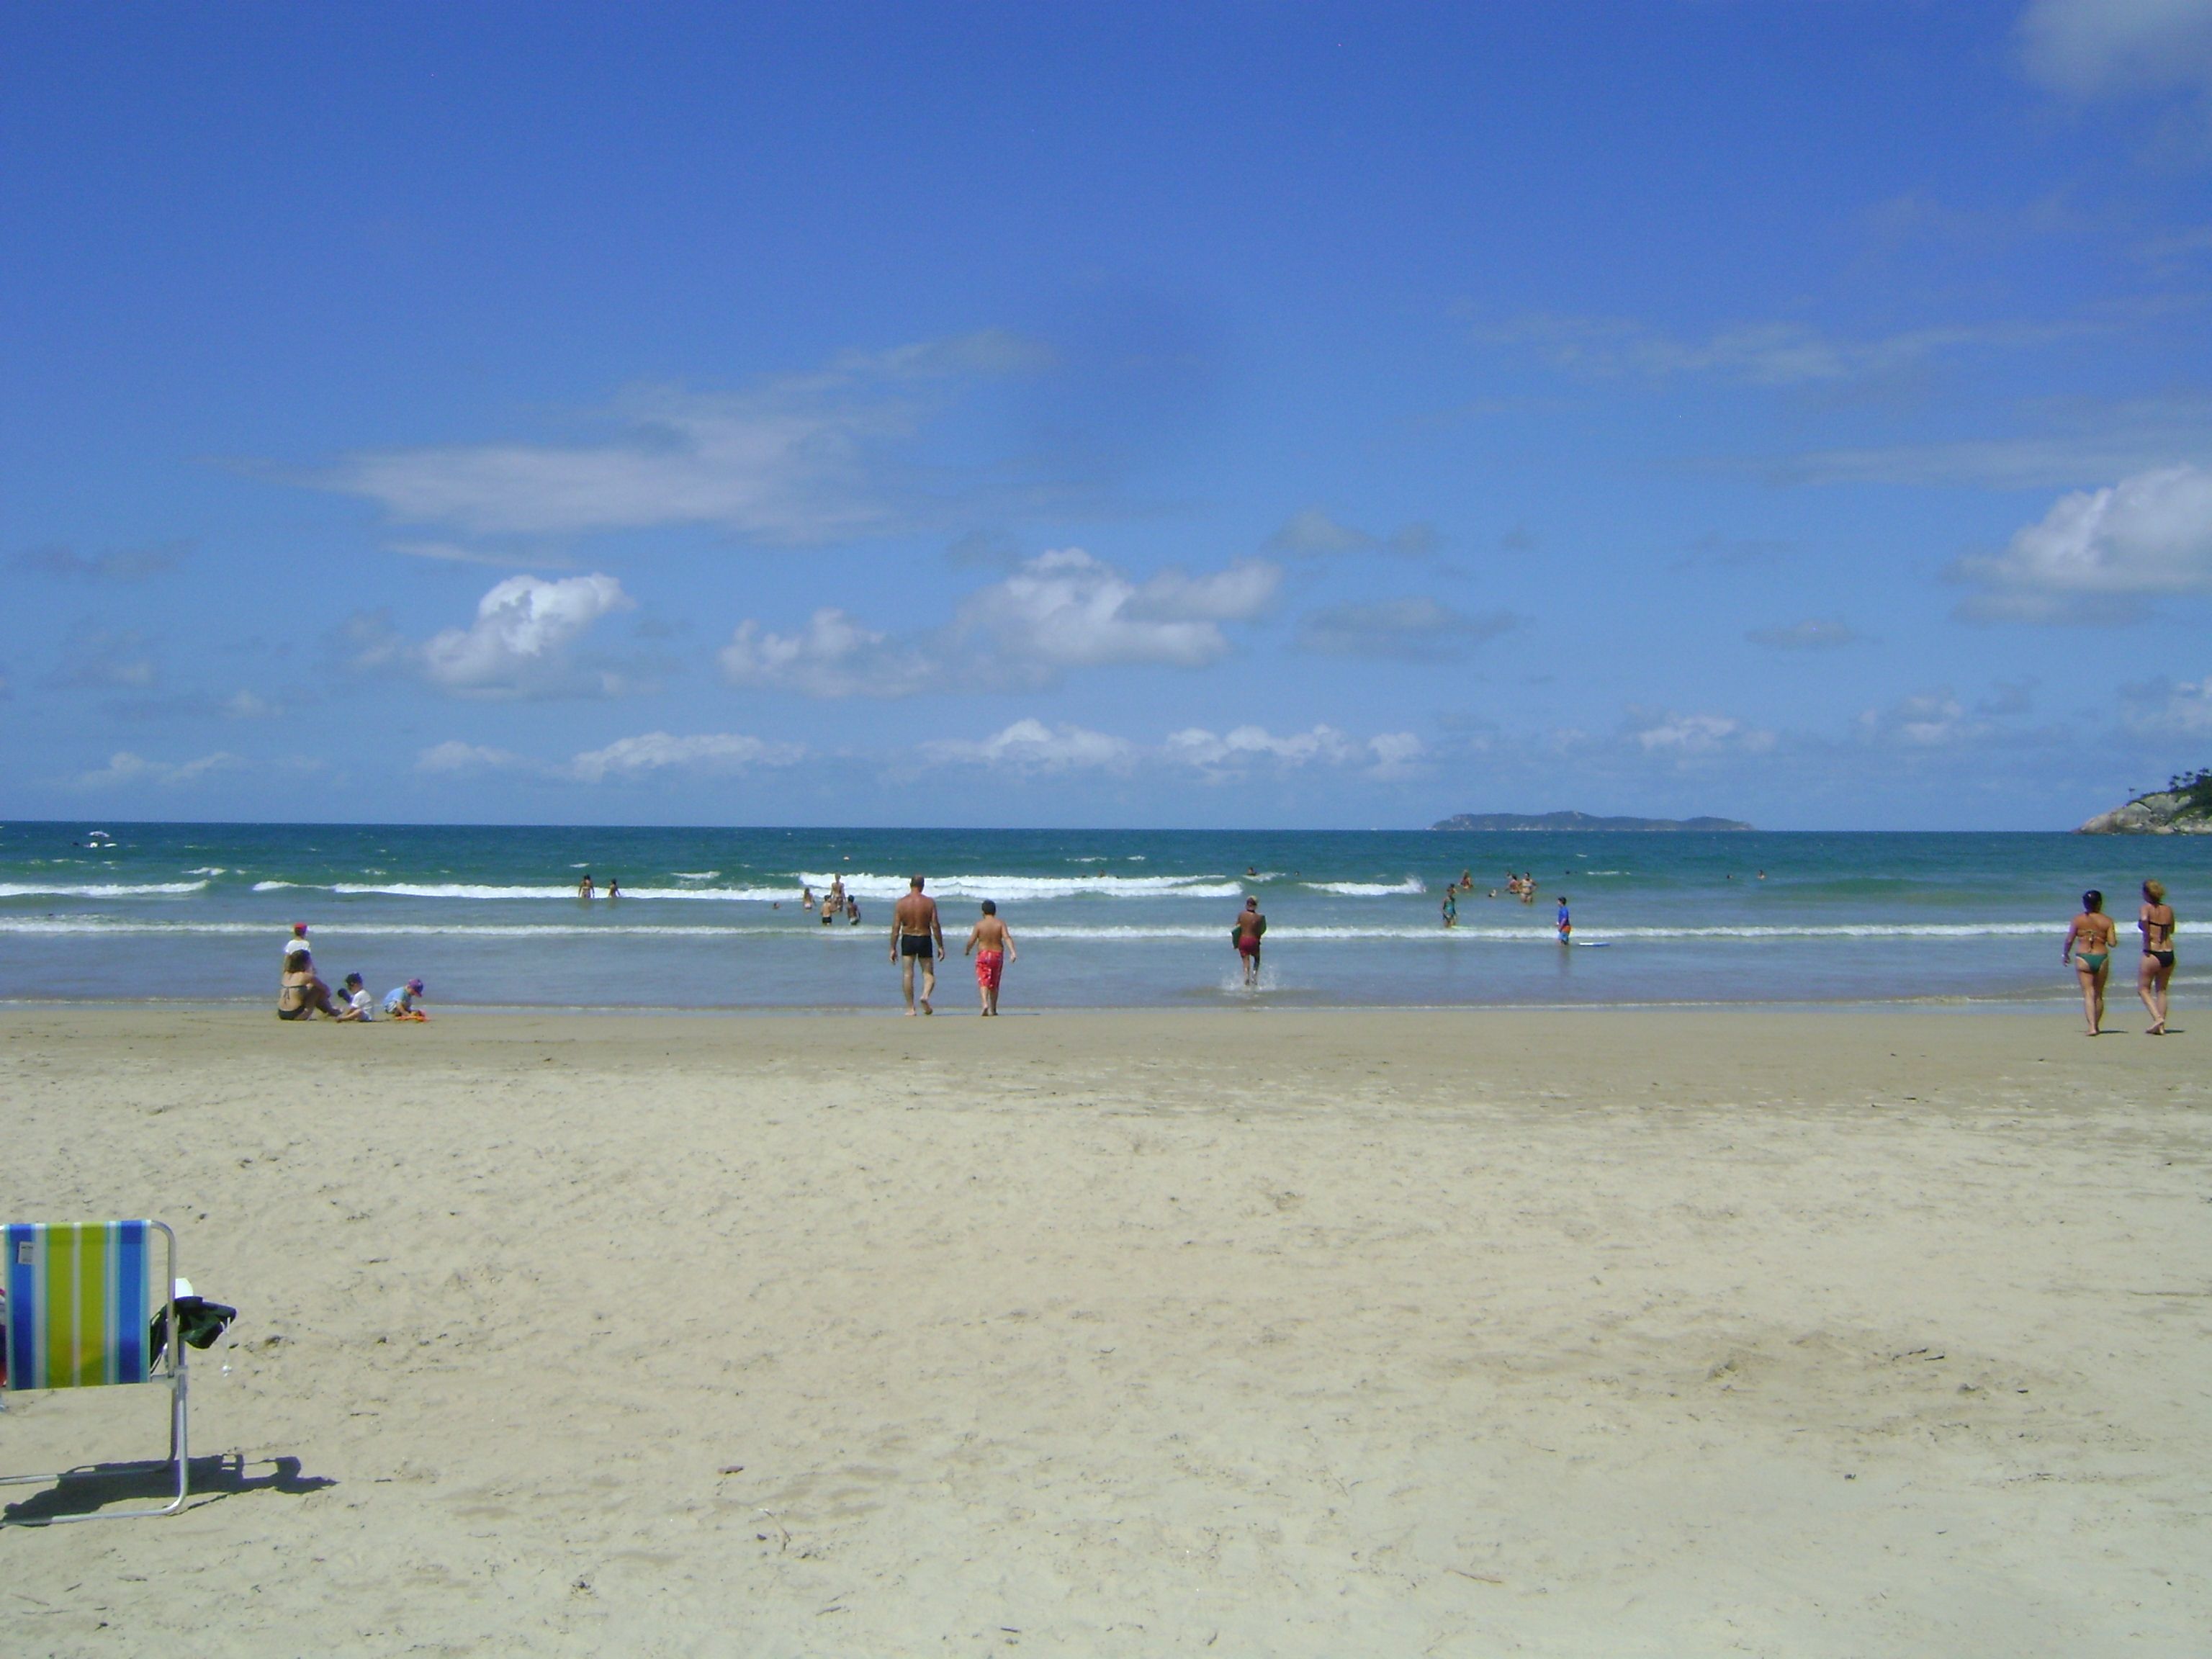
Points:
(1298, 416)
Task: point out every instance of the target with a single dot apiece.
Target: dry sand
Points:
(1608, 1333)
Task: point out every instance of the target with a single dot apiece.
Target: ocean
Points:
(711, 918)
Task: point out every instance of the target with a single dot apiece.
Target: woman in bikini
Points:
(2155, 922)
(2088, 947)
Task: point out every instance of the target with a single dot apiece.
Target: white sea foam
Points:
(212, 870)
(99, 890)
(806, 927)
(864, 883)
(695, 875)
(1369, 889)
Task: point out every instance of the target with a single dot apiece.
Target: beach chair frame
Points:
(114, 1353)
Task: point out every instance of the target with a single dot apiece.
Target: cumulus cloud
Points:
(124, 767)
(2098, 555)
(1060, 610)
(125, 564)
(2096, 48)
(522, 643)
(1684, 735)
(1927, 720)
(833, 656)
(1398, 630)
(1312, 533)
(799, 459)
(1813, 633)
(95, 658)
(661, 751)
(1031, 746)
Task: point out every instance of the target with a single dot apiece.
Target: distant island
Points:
(1491, 821)
(2184, 808)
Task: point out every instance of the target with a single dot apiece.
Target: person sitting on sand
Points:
(1250, 927)
(359, 1005)
(399, 1003)
(300, 993)
(2155, 922)
(2095, 934)
(992, 943)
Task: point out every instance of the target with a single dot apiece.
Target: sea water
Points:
(712, 918)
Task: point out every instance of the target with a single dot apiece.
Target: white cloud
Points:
(2092, 48)
(456, 758)
(1402, 630)
(1391, 755)
(803, 458)
(1930, 719)
(2178, 708)
(1701, 734)
(1067, 610)
(521, 643)
(2096, 555)
(1060, 610)
(628, 758)
(1813, 633)
(1031, 745)
(834, 656)
(124, 767)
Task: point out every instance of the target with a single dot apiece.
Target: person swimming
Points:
(2088, 947)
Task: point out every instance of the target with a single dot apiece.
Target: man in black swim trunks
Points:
(917, 934)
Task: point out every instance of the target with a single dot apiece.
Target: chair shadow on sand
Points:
(95, 1486)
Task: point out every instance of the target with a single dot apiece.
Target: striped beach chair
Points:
(82, 1296)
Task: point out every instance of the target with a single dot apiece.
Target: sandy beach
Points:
(1617, 1332)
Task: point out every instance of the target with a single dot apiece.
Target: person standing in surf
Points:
(1251, 925)
(992, 943)
(2088, 947)
(1564, 922)
(917, 933)
(2155, 922)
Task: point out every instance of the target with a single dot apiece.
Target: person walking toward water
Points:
(915, 933)
(2089, 946)
(1251, 925)
(2155, 922)
(993, 943)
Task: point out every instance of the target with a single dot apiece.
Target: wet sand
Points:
(1616, 1332)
